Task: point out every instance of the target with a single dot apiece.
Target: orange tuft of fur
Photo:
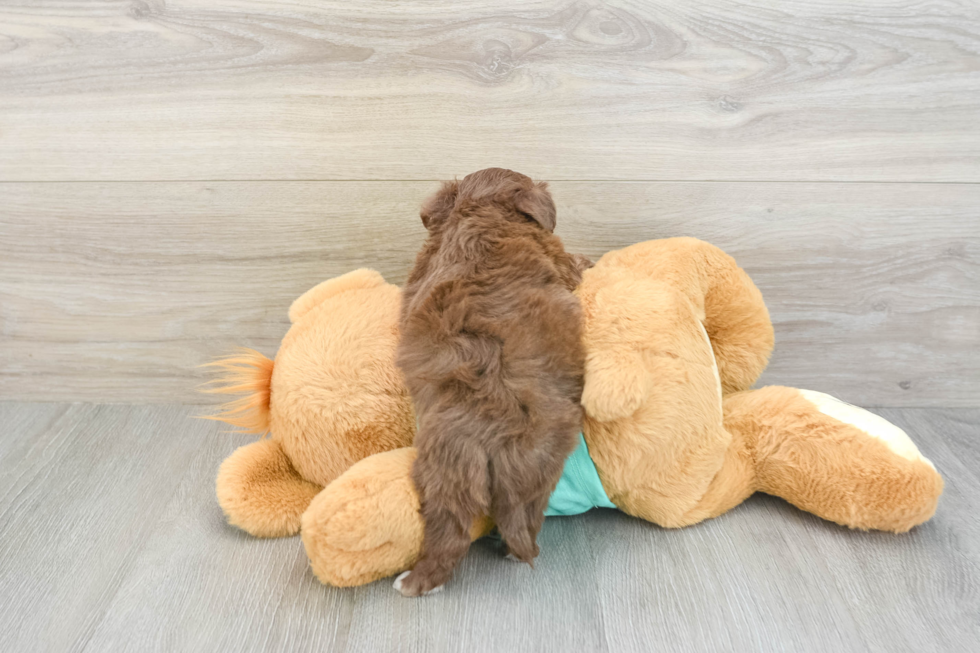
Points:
(246, 373)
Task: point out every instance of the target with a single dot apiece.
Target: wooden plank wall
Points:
(173, 174)
(565, 89)
(116, 291)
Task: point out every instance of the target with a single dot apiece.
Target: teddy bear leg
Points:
(365, 525)
(835, 460)
(734, 483)
(261, 493)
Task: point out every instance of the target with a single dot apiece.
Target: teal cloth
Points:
(579, 488)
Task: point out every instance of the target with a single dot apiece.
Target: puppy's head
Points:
(510, 191)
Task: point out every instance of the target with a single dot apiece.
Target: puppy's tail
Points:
(247, 373)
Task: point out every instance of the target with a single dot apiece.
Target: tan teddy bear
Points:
(675, 334)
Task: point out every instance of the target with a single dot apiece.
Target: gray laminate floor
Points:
(111, 540)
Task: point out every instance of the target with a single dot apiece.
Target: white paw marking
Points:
(398, 584)
(398, 581)
(877, 427)
(512, 557)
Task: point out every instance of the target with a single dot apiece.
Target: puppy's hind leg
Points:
(519, 526)
(521, 484)
(519, 523)
(452, 496)
(446, 541)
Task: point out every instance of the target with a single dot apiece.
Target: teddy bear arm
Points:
(261, 492)
(622, 322)
(738, 324)
(725, 298)
(735, 316)
(615, 385)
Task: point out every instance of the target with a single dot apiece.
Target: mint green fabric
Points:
(579, 488)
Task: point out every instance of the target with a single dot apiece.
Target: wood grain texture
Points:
(768, 577)
(117, 291)
(138, 558)
(115, 288)
(561, 89)
(78, 498)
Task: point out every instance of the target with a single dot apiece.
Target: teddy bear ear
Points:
(536, 203)
(437, 207)
(361, 279)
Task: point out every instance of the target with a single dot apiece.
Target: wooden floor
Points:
(173, 173)
(111, 540)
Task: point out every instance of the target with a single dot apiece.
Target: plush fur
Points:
(262, 492)
(491, 349)
(657, 311)
(333, 395)
(672, 442)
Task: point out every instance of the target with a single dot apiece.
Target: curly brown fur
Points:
(492, 354)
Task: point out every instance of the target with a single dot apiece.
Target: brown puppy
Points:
(492, 354)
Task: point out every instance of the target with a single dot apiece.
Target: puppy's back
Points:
(491, 351)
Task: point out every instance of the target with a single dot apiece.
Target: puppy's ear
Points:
(437, 208)
(536, 203)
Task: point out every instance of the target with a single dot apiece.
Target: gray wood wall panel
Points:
(117, 291)
(314, 89)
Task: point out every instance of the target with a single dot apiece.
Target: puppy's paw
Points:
(398, 582)
(411, 588)
(512, 557)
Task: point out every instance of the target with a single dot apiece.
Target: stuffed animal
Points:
(675, 334)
